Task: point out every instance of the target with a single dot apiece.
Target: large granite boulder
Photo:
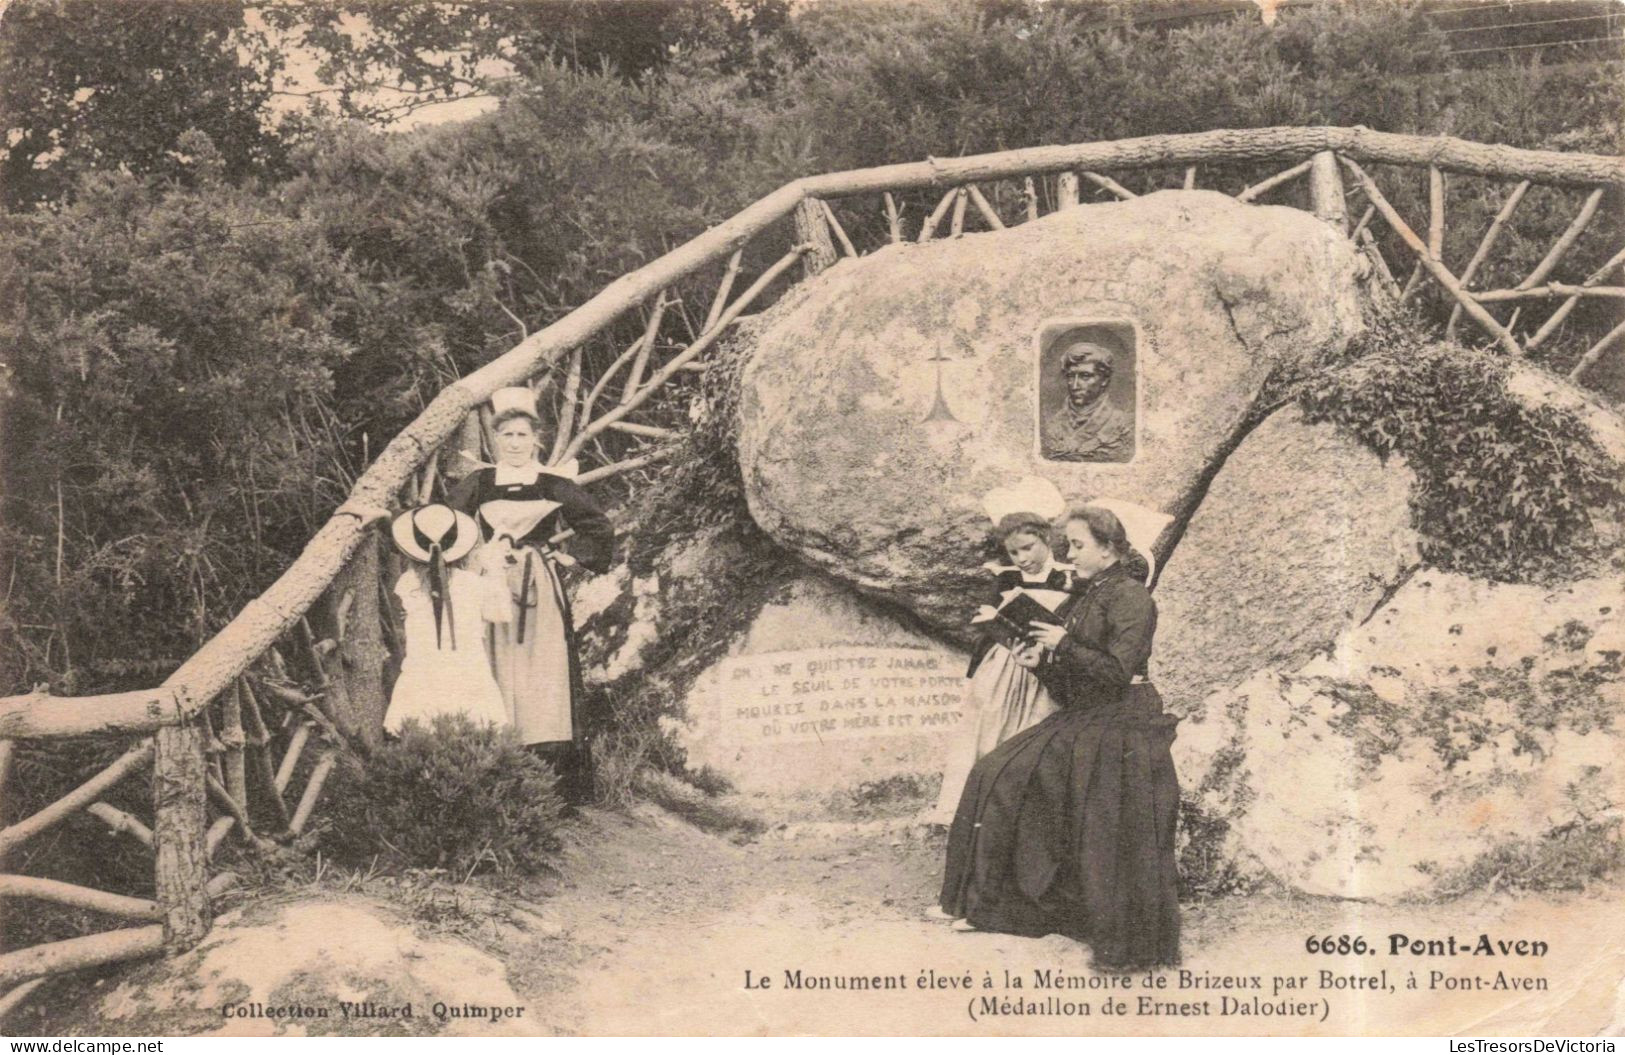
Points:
(1300, 535)
(856, 459)
(1463, 718)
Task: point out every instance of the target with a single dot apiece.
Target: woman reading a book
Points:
(1003, 697)
(1068, 827)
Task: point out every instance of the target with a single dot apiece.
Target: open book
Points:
(1010, 625)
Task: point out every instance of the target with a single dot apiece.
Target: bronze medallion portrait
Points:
(1087, 391)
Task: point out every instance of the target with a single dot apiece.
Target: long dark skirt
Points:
(1068, 828)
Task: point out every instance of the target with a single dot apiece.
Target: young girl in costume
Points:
(1003, 697)
(446, 669)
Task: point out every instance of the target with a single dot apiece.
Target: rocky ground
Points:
(653, 926)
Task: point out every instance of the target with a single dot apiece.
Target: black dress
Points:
(535, 655)
(1068, 827)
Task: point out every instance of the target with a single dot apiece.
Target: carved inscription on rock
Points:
(838, 694)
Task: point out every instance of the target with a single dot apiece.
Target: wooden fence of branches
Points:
(273, 697)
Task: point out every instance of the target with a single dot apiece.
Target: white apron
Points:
(530, 651)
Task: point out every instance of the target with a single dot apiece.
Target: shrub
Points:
(1570, 858)
(1205, 870)
(81, 850)
(1505, 490)
(905, 790)
(454, 796)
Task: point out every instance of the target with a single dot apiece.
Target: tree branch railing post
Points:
(956, 225)
(181, 865)
(1480, 254)
(812, 229)
(233, 738)
(1425, 257)
(1326, 190)
(1556, 319)
(985, 207)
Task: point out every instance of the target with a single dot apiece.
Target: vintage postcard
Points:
(812, 517)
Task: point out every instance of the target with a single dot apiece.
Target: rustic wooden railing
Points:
(210, 740)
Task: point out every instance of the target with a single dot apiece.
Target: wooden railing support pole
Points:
(77, 799)
(119, 821)
(1435, 267)
(1066, 190)
(357, 665)
(1326, 190)
(6, 748)
(177, 828)
(1252, 193)
(231, 735)
(812, 228)
(928, 227)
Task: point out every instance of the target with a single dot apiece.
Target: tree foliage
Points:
(383, 61)
(98, 85)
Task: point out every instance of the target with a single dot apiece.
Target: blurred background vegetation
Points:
(229, 276)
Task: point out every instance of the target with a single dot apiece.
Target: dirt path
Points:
(659, 922)
(653, 927)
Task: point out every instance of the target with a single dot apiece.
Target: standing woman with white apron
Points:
(522, 505)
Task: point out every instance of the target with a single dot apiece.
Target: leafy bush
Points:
(1570, 858)
(454, 795)
(1205, 871)
(1505, 490)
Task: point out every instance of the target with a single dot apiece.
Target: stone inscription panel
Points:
(815, 695)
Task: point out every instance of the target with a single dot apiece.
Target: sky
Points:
(299, 76)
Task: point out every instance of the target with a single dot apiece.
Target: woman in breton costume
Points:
(1003, 697)
(1068, 827)
(447, 605)
(520, 504)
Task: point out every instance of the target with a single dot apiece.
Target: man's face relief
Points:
(1086, 382)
